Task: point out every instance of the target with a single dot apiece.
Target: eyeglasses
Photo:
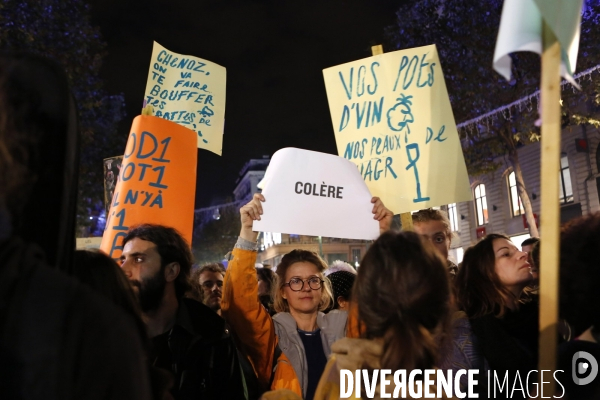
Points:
(297, 284)
(211, 284)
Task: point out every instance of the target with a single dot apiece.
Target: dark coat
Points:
(201, 355)
(59, 340)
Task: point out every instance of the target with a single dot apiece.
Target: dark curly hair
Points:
(171, 247)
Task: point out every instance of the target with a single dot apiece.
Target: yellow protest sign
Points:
(189, 91)
(392, 117)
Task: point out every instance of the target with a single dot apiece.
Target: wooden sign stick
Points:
(550, 215)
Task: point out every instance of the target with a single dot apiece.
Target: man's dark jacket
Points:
(201, 355)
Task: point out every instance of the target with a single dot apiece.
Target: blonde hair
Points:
(279, 303)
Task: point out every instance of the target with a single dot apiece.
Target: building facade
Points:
(273, 246)
(250, 176)
(246, 185)
(495, 207)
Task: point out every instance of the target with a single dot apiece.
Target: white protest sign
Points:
(316, 194)
(392, 117)
(189, 91)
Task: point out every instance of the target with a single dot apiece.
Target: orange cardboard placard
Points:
(157, 183)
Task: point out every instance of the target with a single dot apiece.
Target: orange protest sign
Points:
(157, 182)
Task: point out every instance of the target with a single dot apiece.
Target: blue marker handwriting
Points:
(438, 137)
(412, 163)
(348, 81)
(400, 115)
(409, 68)
(180, 95)
(188, 89)
(375, 155)
(375, 167)
(145, 159)
(378, 146)
(165, 58)
(368, 111)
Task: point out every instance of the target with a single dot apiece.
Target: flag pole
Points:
(405, 218)
(550, 215)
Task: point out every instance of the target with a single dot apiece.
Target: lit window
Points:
(566, 190)
(453, 216)
(356, 257)
(481, 209)
(516, 208)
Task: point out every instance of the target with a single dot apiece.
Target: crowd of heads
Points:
(404, 291)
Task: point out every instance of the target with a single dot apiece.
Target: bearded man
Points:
(189, 339)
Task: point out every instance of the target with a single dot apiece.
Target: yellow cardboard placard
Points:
(189, 91)
(392, 117)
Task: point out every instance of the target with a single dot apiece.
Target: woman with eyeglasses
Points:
(288, 351)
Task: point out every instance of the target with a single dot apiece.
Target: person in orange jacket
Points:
(290, 350)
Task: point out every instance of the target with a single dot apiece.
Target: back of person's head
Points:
(403, 295)
(580, 272)
(339, 265)
(268, 276)
(341, 283)
(279, 303)
(39, 143)
(478, 288)
(171, 247)
(103, 275)
(530, 241)
(265, 290)
(535, 255)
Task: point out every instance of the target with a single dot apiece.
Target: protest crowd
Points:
(152, 325)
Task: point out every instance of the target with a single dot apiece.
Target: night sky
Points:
(274, 52)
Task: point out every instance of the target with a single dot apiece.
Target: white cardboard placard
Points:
(317, 194)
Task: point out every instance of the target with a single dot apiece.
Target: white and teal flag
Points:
(521, 30)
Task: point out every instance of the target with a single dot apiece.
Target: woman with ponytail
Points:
(403, 296)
